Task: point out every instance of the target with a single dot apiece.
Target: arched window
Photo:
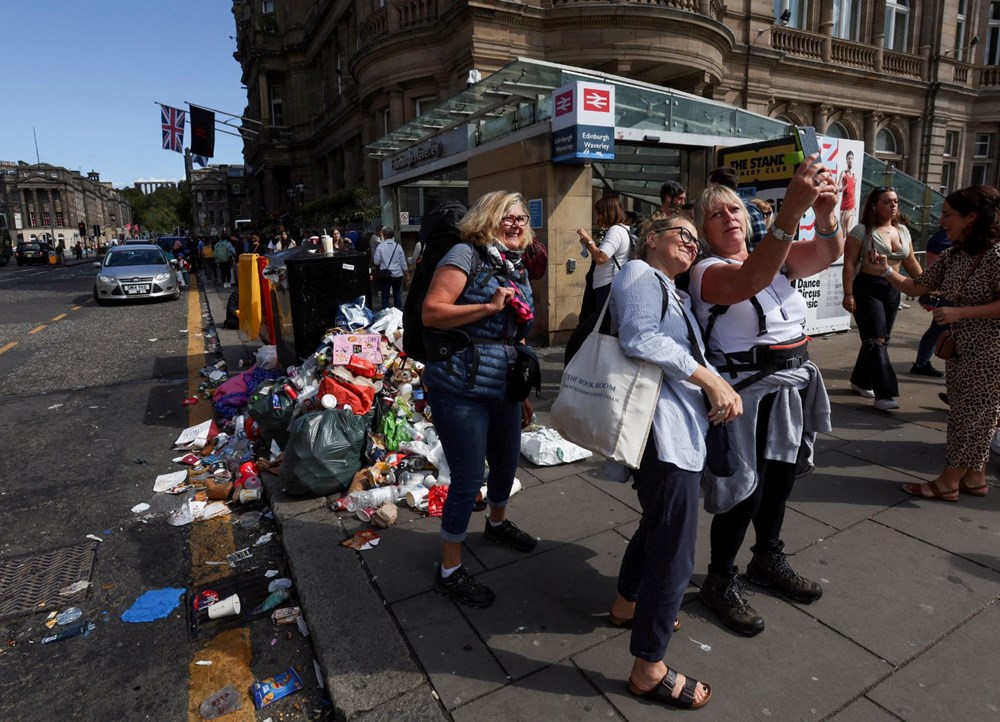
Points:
(885, 142)
(836, 130)
(897, 25)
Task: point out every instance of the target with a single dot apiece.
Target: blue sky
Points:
(86, 75)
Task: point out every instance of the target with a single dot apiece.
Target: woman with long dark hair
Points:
(870, 298)
(967, 275)
(609, 255)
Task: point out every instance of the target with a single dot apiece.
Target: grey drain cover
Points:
(31, 582)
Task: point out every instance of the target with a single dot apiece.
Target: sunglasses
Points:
(768, 214)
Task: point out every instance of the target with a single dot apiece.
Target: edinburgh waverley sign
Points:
(583, 122)
(415, 156)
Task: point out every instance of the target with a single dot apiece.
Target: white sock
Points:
(495, 524)
(448, 571)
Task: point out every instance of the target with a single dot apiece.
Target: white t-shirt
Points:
(736, 329)
(616, 244)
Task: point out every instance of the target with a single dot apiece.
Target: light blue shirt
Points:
(681, 419)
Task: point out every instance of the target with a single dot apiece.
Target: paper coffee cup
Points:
(416, 497)
(366, 514)
(327, 242)
(247, 495)
(228, 607)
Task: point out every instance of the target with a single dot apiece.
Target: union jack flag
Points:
(172, 121)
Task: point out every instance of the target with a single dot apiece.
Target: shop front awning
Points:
(520, 94)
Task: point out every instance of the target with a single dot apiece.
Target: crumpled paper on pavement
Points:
(545, 447)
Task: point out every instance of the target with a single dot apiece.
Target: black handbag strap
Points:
(692, 339)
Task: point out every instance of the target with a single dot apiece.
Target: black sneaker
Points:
(926, 370)
(464, 588)
(723, 594)
(771, 570)
(508, 534)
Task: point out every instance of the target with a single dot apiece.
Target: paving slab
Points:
(416, 705)
(893, 594)
(796, 669)
(559, 692)
(911, 449)
(954, 680)
(845, 490)
(556, 512)
(457, 660)
(551, 605)
(969, 528)
(863, 710)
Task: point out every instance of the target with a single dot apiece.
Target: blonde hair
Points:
(710, 199)
(479, 226)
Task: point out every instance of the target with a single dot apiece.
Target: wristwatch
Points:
(781, 235)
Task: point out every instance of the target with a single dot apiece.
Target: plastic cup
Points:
(247, 495)
(228, 607)
(416, 497)
(366, 514)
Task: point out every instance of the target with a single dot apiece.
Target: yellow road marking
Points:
(8, 347)
(212, 540)
(37, 329)
(76, 308)
(59, 317)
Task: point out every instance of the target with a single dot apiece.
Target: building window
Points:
(847, 19)
(992, 52)
(46, 218)
(980, 174)
(798, 11)
(885, 142)
(267, 7)
(960, 30)
(211, 218)
(31, 219)
(948, 173)
(984, 145)
(424, 105)
(897, 25)
(951, 139)
(386, 125)
(200, 196)
(59, 219)
(277, 106)
(836, 130)
(235, 189)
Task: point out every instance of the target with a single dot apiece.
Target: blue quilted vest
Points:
(480, 370)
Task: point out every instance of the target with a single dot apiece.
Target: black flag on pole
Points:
(202, 132)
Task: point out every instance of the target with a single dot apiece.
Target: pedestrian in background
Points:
(922, 366)
(390, 265)
(224, 253)
(208, 260)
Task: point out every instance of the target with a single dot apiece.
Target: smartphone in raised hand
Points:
(808, 142)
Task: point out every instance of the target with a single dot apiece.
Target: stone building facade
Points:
(218, 199)
(46, 202)
(918, 82)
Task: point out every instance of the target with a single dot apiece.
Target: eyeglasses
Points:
(512, 220)
(686, 237)
(768, 214)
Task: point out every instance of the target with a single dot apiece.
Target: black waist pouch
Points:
(523, 374)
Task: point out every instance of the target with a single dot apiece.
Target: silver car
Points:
(134, 271)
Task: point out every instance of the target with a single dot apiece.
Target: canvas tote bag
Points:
(607, 399)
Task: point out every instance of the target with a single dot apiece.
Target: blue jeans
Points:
(472, 431)
(925, 350)
(659, 559)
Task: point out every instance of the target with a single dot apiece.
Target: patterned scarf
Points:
(508, 262)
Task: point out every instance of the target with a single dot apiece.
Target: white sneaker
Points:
(863, 393)
(886, 404)
(225, 285)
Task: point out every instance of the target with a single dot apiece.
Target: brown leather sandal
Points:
(663, 692)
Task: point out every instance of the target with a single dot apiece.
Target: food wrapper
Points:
(271, 689)
(361, 541)
(367, 346)
(285, 615)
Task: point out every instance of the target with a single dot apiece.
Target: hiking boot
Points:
(771, 570)
(464, 588)
(508, 534)
(723, 594)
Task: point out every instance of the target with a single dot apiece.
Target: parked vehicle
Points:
(32, 252)
(134, 271)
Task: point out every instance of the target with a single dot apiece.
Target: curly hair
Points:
(481, 225)
(713, 197)
(868, 216)
(984, 231)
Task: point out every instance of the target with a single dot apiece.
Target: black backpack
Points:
(438, 233)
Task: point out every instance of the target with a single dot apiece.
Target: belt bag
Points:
(441, 344)
(945, 347)
(523, 374)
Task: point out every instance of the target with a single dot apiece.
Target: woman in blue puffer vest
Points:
(480, 287)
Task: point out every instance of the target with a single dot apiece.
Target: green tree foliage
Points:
(158, 211)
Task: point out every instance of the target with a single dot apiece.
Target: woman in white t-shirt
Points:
(753, 319)
(609, 256)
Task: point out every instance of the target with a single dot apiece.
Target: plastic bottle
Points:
(372, 498)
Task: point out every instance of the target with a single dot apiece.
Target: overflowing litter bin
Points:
(306, 289)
